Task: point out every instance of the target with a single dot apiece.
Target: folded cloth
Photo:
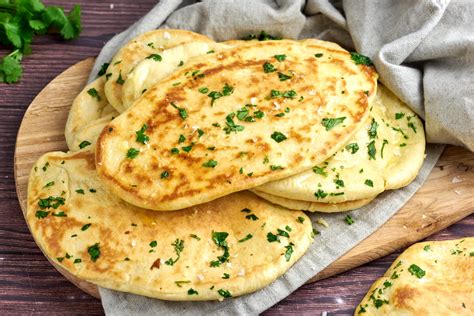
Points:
(423, 51)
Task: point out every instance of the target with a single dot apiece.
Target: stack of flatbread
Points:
(192, 162)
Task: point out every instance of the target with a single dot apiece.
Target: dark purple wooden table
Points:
(28, 283)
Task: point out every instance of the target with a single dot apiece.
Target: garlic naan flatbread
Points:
(88, 115)
(146, 45)
(429, 278)
(229, 247)
(234, 120)
(150, 71)
(387, 154)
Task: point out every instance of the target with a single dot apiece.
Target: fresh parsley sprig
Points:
(21, 21)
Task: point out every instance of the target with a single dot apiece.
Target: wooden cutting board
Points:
(445, 198)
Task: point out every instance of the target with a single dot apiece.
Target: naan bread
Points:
(99, 238)
(352, 174)
(314, 206)
(429, 278)
(139, 48)
(88, 115)
(207, 144)
(149, 71)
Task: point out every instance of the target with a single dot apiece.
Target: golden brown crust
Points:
(135, 245)
(429, 278)
(317, 80)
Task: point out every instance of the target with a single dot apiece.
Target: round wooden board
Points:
(430, 210)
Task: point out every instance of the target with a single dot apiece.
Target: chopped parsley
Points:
(249, 236)
(210, 164)
(86, 227)
(51, 201)
(155, 57)
(330, 123)
(103, 69)
(120, 79)
(178, 283)
(280, 57)
(192, 292)
(49, 184)
(200, 132)
(278, 136)
(320, 194)
(290, 94)
(153, 244)
(318, 55)
(272, 237)
(427, 248)
(349, 220)
(360, 59)
(93, 93)
(80, 191)
(224, 293)
(94, 252)
(300, 219)
(320, 170)
(284, 77)
(371, 150)
(246, 210)
(275, 167)
(195, 236)
(231, 126)
(141, 137)
(84, 144)
(252, 217)
(178, 249)
(352, 147)
(219, 239)
(399, 115)
(182, 111)
(187, 148)
(41, 214)
(412, 126)
(226, 276)
(174, 151)
(369, 183)
(165, 175)
(181, 139)
(289, 251)
(385, 142)
(203, 90)
(373, 129)
(267, 67)
(77, 260)
(132, 153)
(416, 271)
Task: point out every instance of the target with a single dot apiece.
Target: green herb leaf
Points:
(278, 136)
(86, 227)
(224, 293)
(416, 271)
(182, 111)
(371, 150)
(280, 57)
(164, 175)
(155, 57)
(369, 183)
(141, 137)
(103, 69)
(120, 79)
(284, 77)
(84, 144)
(267, 67)
(352, 148)
(210, 164)
(93, 93)
(399, 115)
(330, 123)
(349, 220)
(252, 217)
(373, 129)
(320, 194)
(360, 59)
(132, 153)
(192, 292)
(289, 251)
(249, 236)
(318, 55)
(94, 252)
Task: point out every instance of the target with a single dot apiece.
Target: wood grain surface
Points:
(28, 284)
